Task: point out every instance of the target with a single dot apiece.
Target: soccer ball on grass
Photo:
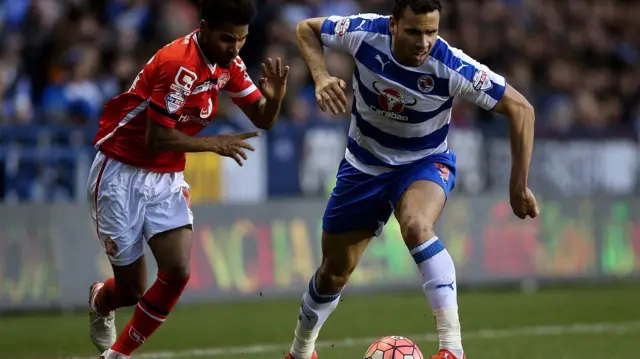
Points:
(393, 347)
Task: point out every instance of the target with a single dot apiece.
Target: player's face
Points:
(223, 43)
(414, 36)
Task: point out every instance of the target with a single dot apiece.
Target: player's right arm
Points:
(329, 90)
(162, 138)
(165, 106)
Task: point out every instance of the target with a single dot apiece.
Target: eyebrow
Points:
(233, 36)
(415, 29)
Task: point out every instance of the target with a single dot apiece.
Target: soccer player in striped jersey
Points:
(397, 159)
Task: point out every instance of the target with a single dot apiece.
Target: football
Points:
(393, 347)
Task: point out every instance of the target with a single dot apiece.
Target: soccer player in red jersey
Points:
(136, 185)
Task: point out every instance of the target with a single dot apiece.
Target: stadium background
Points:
(570, 276)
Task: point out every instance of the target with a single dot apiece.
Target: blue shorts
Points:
(361, 201)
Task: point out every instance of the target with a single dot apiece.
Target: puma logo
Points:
(381, 61)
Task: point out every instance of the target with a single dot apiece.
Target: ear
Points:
(393, 26)
(204, 27)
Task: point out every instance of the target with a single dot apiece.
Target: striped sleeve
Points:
(470, 79)
(345, 33)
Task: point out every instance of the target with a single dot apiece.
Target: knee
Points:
(415, 232)
(180, 272)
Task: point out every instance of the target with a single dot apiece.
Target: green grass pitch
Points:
(561, 323)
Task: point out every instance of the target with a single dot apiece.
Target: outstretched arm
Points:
(521, 127)
(521, 123)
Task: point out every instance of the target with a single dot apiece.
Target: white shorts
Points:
(130, 205)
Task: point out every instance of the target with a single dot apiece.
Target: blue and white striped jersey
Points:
(401, 114)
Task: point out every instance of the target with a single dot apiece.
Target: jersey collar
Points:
(212, 67)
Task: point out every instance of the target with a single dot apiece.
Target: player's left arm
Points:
(489, 90)
(521, 115)
(263, 108)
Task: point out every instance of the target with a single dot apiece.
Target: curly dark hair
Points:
(235, 12)
(418, 7)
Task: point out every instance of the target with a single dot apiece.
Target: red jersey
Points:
(177, 88)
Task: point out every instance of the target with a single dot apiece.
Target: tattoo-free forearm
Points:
(310, 46)
(521, 133)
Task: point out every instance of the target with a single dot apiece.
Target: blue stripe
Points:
(432, 140)
(433, 249)
(366, 55)
(372, 99)
(377, 26)
(443, 53)
(320, 298)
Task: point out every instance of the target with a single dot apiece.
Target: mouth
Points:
(420, 56)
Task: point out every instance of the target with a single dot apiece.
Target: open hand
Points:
(273, 83)
(233, 145)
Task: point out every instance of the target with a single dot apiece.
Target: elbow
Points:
(302, 27)
(151, 142)
(308, 29)
(520, 109)
(528, 111)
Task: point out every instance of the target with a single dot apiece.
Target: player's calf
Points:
(341, 254)
(124, 289)
(417, 211)
(171, 250)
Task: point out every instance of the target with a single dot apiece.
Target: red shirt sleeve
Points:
(240, 87)
(172, 85)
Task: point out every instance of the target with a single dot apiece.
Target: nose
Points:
(424, 42)
(237, 47)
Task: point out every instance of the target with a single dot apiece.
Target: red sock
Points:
(109, 297)
(150, 312)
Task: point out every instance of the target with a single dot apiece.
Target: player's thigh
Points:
(359, 203)
(421, 201)
(117, 210)
(168, 224)
(172, 250)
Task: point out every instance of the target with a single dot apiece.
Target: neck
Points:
(203, 48)
(394, 52)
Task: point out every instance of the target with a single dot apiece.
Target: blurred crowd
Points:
(578, 61)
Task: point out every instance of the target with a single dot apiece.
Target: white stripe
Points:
(425, 103)
(149, 314)
(130, 116)
(370, 170)
(363, 342)
(243, 93)
(423, 246)
(388, 155)
(367, 16)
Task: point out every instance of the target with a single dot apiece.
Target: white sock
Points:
(440, 287)
(314, 311)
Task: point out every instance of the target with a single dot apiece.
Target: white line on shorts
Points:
(548, 330)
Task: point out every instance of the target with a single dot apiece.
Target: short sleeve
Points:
(476, 82)
(240, 87)
(346, 33)
(172, 86)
